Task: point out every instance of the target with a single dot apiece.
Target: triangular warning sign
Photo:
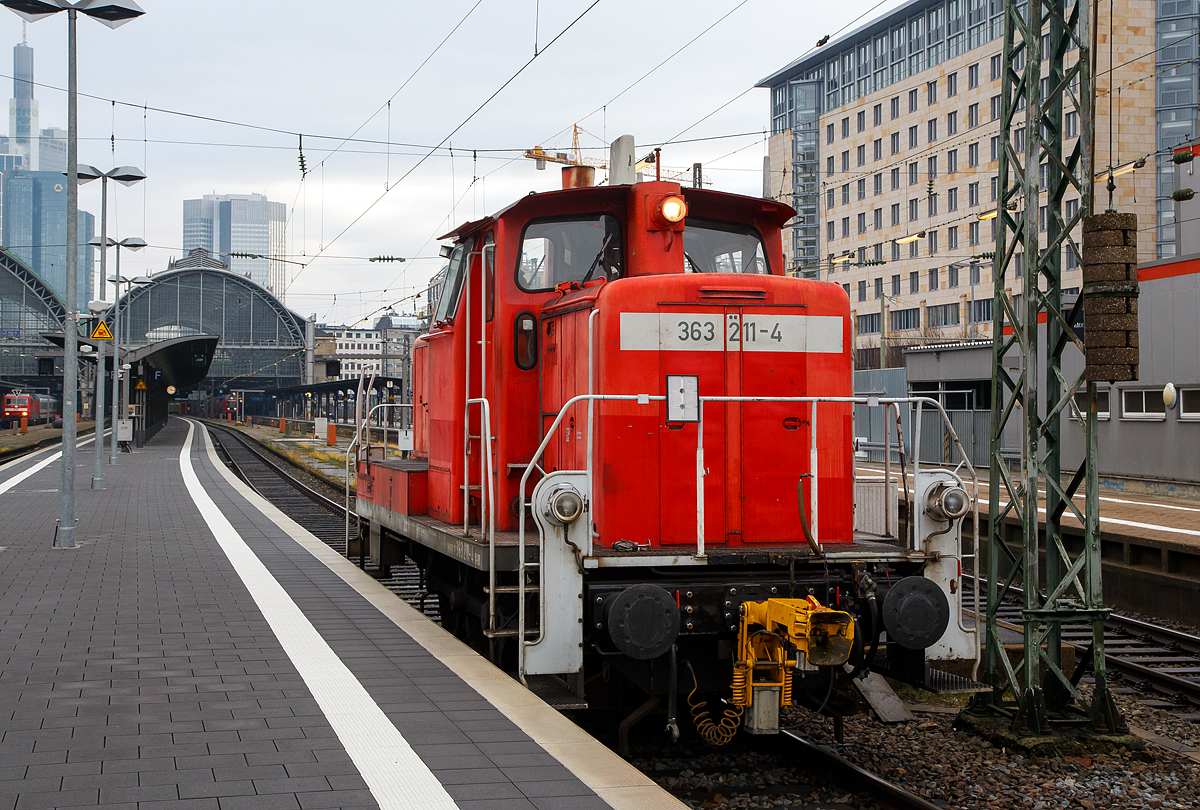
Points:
(101, 331)
(141, 386)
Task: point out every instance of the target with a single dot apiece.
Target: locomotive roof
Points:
(701, 202)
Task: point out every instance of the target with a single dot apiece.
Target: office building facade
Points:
(35, 230)
(886, 141)
(229, 224)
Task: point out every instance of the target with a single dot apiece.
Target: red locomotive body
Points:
(681, 414)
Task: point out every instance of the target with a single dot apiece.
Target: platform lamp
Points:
(126, 176)
(98, 308)
(131, 243)
(112, 14)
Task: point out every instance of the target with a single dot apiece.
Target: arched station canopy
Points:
(261, 341)
(28, 307)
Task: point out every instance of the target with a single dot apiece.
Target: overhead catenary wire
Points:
(451, 134)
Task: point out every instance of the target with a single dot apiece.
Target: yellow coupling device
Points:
(782, 634)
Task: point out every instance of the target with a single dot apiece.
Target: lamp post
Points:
(126, 176)
(97, 308)
(132, 243)
(111, 14)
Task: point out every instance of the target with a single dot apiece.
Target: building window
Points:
(995, 108)
(862, 154)
(1142, 404)
(973, 76)
(830, 231)
(896, 215)
(931, 93)
(896, 284)
(1189, 403)
(1102, 411)
(951, 85)
(878, 251)
(932, 167)
(932, 127)
(845, 194)
(906, 320)
(895, 178)
(952, 270)
(972, 155)
(879, 288)
(972, 116)
(846, 127)
(932, 205)
(951, 123)
(932, 236)
(912, 210)
(878, 219)
(912, 174)
(877, 115)
(944, 315)
(914, 249)
(878, 148)
(846, 287)
(895, 252)
(862, 120)
(829, 167)
(981, 311)
(1071, 125)
(829, 133)
(912, 100)
(912, 137)
(862, 188)
(877, 183)
(845, 227)
(895, 143)
(995, 183)
(846, 160)
(952, 201)
(952, 162)
(996, 68)
(829, 198)
(914, 282)
(862, 290)
(895, 105)
(1042, 218)
(933, 279)
(868, 324)
(862, 222)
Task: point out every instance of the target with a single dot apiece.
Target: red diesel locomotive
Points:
(633, 457)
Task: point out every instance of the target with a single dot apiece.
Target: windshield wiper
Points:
(596, 261)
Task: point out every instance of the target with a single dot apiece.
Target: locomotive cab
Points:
(633, 449)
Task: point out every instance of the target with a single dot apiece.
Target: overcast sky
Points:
(315, 67)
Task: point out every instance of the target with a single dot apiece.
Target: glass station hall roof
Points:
(28, 307)
(262, 341)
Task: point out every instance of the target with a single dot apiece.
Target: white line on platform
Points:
(396, 776)
(8, 484)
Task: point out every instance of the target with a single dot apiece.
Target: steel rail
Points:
(853, 777)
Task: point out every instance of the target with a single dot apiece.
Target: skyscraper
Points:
(228, 224)
(33, 190)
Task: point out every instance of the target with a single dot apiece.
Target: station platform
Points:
(198, 649)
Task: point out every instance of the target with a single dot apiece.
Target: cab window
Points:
(452, 286)
(711, 246)
(579, 249)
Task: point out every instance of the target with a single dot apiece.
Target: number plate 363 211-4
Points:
(752, 332)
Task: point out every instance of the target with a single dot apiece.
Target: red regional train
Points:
(37, 408)
(634, 465)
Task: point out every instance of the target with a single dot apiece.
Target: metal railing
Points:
(350, 449)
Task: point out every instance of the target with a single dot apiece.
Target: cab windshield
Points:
(452, 285)
(570, 249)
(711, 246)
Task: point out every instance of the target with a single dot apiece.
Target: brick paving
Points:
(136, 671)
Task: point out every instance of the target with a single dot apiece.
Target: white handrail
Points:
(522, 643)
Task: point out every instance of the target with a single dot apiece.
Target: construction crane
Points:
(575, 158)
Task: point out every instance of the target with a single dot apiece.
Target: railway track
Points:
(278, 481)
(1158, 662)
